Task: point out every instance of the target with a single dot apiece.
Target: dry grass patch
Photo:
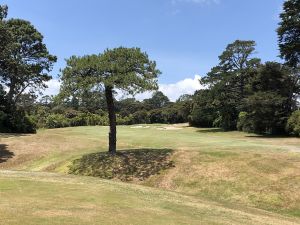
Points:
(268, 181)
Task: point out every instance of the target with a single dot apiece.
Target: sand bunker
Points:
(169, 128)
(140, 127)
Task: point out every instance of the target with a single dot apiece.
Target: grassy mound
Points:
(126, 165)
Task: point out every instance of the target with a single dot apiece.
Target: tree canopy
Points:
(25, 61)
(289, 32)
(25, 64)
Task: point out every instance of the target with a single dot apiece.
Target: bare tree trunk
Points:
(112, 120)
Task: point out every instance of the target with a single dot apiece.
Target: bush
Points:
(140, 117)
(156, 116)
(57, 121)
(81, 119)
(16, 122)
(266, 113)
(293, 123)
(3, 119)
(201, 117)
(243, 124)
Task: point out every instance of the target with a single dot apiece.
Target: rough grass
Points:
(267, 181)
(232, 168)
(126, 165)
(31, 198)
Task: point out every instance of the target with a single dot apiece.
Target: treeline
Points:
(90, 109)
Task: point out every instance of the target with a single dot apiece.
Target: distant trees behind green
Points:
(53, 112)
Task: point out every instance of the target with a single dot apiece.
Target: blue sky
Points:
(184, 37)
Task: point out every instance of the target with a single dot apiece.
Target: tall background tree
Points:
(125, 69)
(267, 106)
(289, 33)
(25, 64)
(228, 82)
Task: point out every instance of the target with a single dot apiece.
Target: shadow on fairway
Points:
(126, 165)
(269, 136)
(9, 135)
(4, 153)
(210, 130)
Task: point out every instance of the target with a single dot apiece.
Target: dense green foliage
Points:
(293, 123)
(270, 103)
(24, 66)
(289, 32)
(242, 93)
(203, 113)
(52, 113)
(219, 105)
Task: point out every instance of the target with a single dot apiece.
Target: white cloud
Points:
(53, 87)
(173, 90)
(186, 86)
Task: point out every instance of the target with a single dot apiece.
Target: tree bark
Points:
(112, 120)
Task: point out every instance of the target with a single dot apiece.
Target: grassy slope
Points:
(43, 198)
(232, 168)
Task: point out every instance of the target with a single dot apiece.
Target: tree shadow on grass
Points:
(9, 135)
(126, 165)
(210, 130)
(269, 136)
(4, 153)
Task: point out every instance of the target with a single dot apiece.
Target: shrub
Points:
(127, 120)
(57, 121)
(244, 123)
(16, 122)
(3, 118)
(293, 123)
(157, 116)
(140, 117)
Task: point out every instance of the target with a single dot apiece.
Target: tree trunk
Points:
(112, 120)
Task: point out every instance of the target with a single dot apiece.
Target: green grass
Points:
(231, 168)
